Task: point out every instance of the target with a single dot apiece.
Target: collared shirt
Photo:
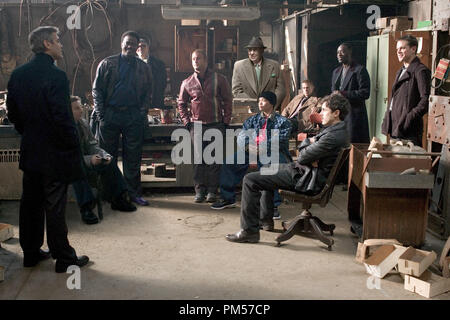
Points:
(210, 102)
(343, 74)
(124, 93)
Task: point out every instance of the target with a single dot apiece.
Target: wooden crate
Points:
(414, 262)
(383, 260)
(428, 285)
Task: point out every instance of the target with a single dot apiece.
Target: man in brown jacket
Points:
(300, 108)
(255, 74)
(410, 92)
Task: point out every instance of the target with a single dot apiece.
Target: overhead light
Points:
(210, 13)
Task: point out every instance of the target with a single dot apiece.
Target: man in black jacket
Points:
(352, 81)
(158, 72)
(39, 106)
(410, 93)
(316, 154)
(122, 93)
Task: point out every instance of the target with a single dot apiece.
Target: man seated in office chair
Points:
(308, 174)
(97, 161)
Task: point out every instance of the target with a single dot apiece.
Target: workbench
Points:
(392, 206)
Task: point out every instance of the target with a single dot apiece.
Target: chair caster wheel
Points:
(329, 248)
(278, 244)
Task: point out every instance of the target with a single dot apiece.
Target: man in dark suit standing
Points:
(39, 106)
(352, 81)
(410, 93)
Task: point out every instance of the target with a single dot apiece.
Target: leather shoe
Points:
(243, 236)
(211, 197)
(122, 203)
(31, 260)
(89, 217)
(61, 266)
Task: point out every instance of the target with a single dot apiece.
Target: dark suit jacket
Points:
(159, 81)
(356, 89)
(328, 143)
(39, 106)
(410, 94)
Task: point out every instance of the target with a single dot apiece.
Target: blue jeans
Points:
(232, 174)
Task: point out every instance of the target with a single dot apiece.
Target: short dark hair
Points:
(336, 101)
(75, 98)
(412, 41)
(37, 36)
(348, 45)
(199, 51)
(130, 33)
(308, 82)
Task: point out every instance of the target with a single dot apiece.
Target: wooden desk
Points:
(391, 206)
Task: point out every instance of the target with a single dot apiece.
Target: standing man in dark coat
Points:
(158, 72)
(315, 154)
(410, 92)
(353, 82)
(39, 106)
(122, 92)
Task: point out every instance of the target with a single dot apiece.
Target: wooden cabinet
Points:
(220, 43)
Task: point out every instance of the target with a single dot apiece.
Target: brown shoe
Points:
(243, 236)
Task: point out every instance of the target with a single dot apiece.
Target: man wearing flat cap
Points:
(256, 74)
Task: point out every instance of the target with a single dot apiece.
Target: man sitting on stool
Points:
(317, 156)
(97, 161)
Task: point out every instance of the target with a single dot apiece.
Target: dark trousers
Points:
(231, 174)
(113, 184)
(44, 202)
(129, 124)
(257, 195)
(206, 176)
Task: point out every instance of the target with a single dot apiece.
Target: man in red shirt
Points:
(210, 99)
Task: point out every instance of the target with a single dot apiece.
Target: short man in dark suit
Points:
(352, 81)
(39, 106)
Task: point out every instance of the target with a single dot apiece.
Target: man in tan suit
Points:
(300, 108)
(256, 74)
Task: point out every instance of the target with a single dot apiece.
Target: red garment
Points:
(210, 103)
(262, 134)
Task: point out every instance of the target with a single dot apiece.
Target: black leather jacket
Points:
(107, 77)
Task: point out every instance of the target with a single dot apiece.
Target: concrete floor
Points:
(175, 249)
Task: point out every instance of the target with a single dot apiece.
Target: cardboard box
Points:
(401, 23)
(363, 252)
(382, 23)
(6, 231)
(427, 285)
(383, 260)
(414, 262)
